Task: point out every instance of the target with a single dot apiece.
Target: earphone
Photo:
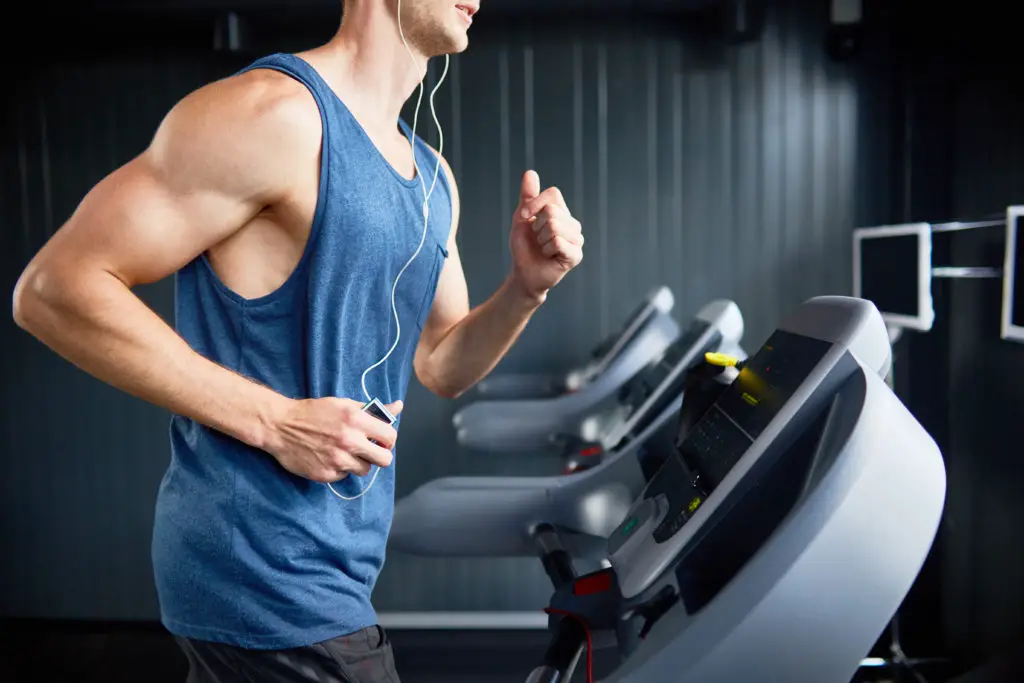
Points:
(426, 221)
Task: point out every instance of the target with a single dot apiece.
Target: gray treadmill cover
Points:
(793, 518)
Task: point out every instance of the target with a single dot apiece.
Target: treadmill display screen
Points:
(743, 411)
(712, 447)
(644, 384)
(682, 345)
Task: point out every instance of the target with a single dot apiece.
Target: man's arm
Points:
(186, 192)
(460, 346)
(220, 156)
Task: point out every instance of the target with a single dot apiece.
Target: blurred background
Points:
(719, 147)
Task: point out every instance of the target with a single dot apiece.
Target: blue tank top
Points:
(243, 551)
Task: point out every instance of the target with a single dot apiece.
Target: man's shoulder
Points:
(250, 134)
(248, 116)
(258, 97)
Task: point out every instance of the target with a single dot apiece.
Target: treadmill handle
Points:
(544, 674)
(556, 560)
(570, 637)
(563, 653)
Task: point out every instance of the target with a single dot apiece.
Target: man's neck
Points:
(373, 67)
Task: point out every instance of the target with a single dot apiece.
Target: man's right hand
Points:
(328, 439)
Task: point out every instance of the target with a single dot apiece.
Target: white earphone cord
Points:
(426, 221)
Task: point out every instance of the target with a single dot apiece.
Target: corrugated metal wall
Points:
(721, 171)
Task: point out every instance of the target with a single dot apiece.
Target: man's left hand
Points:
(546, 241)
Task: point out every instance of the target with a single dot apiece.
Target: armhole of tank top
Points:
(442, 180)
(447, 235)
(318, 212)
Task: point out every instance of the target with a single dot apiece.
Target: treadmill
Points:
(601, 411)
(778, 538)
(645, 333)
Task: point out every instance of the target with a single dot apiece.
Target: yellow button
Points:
(721, 359)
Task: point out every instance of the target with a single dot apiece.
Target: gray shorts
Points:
(361, 657)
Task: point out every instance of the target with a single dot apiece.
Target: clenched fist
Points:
(327, 439)
(546, 242)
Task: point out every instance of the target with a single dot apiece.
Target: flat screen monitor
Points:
(1013, 286)
(892, 268)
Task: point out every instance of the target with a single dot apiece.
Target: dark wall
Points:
(81, 461)
(985, 568)
(962, 113)
(723, 171)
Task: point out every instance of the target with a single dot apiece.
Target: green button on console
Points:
(628, 527)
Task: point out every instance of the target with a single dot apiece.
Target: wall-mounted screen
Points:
(892, 268)
(1013, 282)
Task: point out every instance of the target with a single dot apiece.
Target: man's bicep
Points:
(141, 229)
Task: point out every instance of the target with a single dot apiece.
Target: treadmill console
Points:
(658, 528)
(742, 412)
(718, 326)
(637, 390)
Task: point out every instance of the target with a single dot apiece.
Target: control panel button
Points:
(640, 514)
(683, 508)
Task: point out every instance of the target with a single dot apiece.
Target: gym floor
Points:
(95, 653)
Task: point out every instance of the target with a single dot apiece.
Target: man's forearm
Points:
(99, 325)
(474, 346)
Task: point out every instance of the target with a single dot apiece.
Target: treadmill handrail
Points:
(658, 300)
(623, 339)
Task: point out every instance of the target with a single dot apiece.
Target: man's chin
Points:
(456, 44)
(453, 50)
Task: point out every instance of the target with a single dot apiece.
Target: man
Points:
(286, 201)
